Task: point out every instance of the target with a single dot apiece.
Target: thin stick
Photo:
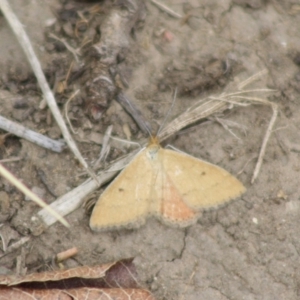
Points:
(12, 179)
(134, 112)
(166, 9)
(12, 159)
(32, 136)
(24, 41)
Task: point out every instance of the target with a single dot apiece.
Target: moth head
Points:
(153, 147)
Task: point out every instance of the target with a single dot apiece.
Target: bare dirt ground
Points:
(248, 249)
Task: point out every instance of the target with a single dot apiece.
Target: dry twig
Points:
(32, 136)
(134, 112)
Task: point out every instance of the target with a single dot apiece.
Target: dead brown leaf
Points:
(113, 281)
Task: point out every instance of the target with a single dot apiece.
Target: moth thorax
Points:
(152, 151)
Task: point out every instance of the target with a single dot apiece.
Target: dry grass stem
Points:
(105, 146)
(226, 125)
(252, 78)
(18, 184)
(16, 245)
(265, 141)
(67, 110)
(75, 52)
(166, 9)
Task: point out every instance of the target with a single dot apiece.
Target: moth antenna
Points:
(148, 130)
(168, 113)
